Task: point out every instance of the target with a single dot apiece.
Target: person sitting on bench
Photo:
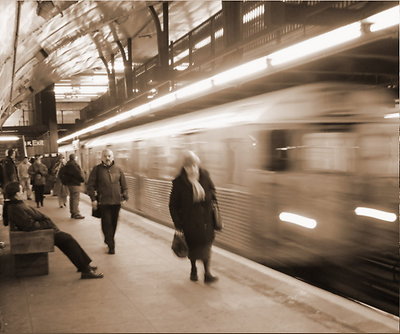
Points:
(22, 217)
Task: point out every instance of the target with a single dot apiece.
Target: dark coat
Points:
(10, 172)
(38, 172)
(71, 174)
(22, 217)
(107, 185)
(195, 219)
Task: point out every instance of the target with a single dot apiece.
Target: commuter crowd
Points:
(190, 204)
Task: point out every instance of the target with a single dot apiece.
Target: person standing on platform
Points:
(9, 168)
(60, 190)
(22, 217)
(107, 189)
(71, 175)
(24, 177)
(191, 211)
(38, 172)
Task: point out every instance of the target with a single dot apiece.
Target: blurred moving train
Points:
(304, 175)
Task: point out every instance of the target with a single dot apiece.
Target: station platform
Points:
(146, 288)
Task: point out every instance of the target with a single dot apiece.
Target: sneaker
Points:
(77, 217)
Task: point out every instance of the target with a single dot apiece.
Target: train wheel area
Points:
(146, 288)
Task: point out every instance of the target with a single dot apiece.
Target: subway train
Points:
(304, 176)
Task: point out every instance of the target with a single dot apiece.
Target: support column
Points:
(49, 116)
(127, 59)
(232, 21)
(162, 39)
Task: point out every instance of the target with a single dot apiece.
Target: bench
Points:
(30, 250)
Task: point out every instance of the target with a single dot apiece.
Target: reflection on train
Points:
(305, 175)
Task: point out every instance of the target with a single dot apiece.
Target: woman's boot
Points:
(193, 271)
(208, 278)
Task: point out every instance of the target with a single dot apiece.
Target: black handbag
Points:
(179, 245)
(217, 220)
(96, 212)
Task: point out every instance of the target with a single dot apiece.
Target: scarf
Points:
(198, 191)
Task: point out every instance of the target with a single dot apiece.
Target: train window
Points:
(379, 153)
(329, 151)
(121, 157)
(277, 152)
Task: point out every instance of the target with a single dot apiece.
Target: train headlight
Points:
(378, 214)
(298, 220)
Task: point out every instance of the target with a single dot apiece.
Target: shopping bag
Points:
(217, 220)
(179, 245)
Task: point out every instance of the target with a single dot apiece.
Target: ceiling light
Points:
(385, 19)
(9, 138)
(240, 71)
(316, 44)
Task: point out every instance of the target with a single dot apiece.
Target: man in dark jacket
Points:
(71, 175)
(21, 217)
(107, 188)
(9, 169)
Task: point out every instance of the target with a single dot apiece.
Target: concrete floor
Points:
(146, 288)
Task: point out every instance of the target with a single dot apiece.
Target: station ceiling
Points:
(46, 42)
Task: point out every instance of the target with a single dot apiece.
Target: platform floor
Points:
(146, 288)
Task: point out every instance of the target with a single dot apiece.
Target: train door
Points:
(377, 188)
(269, 171)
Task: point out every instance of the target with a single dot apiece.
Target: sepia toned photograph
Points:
(199, 166)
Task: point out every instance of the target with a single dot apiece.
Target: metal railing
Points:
(202, 51)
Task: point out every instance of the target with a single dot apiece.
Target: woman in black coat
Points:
(191, 212)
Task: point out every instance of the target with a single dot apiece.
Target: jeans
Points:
(74, 194)
(109, 220)
(26, 186)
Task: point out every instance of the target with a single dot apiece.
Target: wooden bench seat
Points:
(30, 250)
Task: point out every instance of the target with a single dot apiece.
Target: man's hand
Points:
(94, 205)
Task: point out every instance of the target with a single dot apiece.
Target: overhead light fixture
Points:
(303, 49)
(241, 71)
(9, 138)
(183, 125)
(386, 19)
(194, 89)
(316, 44)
